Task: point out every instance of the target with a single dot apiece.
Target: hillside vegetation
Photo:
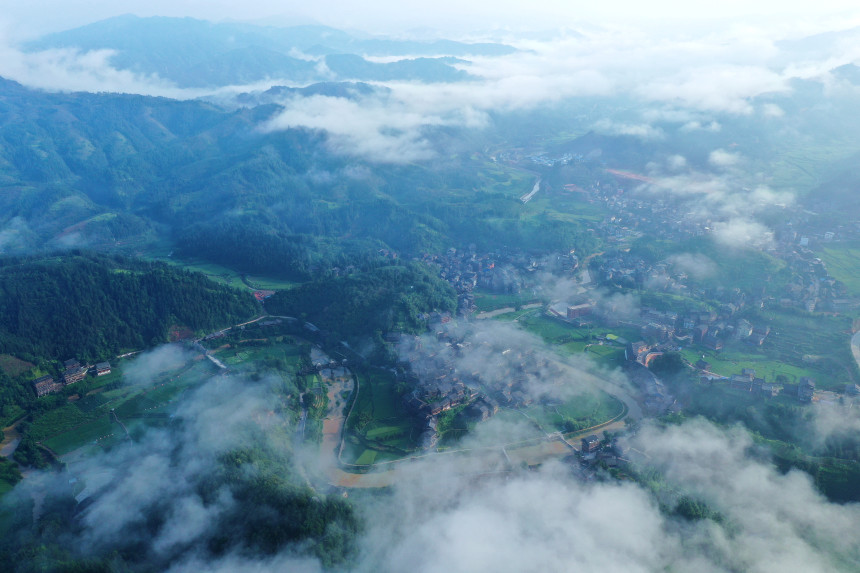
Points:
(93, 307)
(390, 298)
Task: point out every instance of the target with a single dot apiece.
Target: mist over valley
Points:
(342, 290)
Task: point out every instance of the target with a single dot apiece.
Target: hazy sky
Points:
(38, 16)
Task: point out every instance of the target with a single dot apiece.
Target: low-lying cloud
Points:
(145, 368)
(719, 73)
(495, 356)
(75, 70)
(442, 519)
(723, 158)
(696, 265)
(743, 233)
(389, 132)
(474, 512)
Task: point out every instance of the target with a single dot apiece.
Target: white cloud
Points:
(723, 158)
(743, 233)
(451, 517)
(73, 70)
(724, 88)
(698, 126)
(640, 130)
(389, 134)
(145, 368)
(676, 162)
(772, 110)
(15, 236)
(783, 523)
(696, 265)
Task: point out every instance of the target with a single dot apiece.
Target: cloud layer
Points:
(721, 72)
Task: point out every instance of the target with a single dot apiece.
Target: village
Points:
(72, 372)
(444, 375)
(711, 315)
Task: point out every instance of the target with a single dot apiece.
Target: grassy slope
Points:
(843, 263)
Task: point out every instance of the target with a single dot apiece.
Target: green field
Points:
(583, 411)
(487, 301)
(550, 329)
(222, 274)
(264, 283)
(843, 264)
(86, 420)
(105, 379)
(609, 356)
(14, 366)
(803, 168)
(791, 350)
(377, 427)
(571, 339)
(86, 433)
(500, 178)
(731, 362)
(248, 353)
(215, 272)
(797, 334)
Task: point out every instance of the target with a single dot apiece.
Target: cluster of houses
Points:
(447, 372)
(610, 452)
(812, 288)
(503, 271)
(665, 330)
(748, 381)
(73, 372)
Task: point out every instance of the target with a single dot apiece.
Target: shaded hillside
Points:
(92, 307)
(111, 171)
(392, 298)
(840, 194)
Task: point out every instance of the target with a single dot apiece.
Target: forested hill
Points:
(93, 307)
(391, 298)
(124, 172)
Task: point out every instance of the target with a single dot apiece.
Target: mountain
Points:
(125, 172)
(276, 94)
(349, 66)
(196, 53)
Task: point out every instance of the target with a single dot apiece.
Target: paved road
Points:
(855, 347)
(531, 451)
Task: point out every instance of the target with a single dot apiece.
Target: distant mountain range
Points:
(196, 53)
(129, 172)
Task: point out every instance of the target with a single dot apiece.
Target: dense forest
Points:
(93, 307)
(389, 298)
(121, 172)
(268, 512)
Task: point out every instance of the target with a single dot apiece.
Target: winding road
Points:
(855, 347)
(530, 451)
